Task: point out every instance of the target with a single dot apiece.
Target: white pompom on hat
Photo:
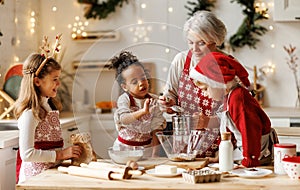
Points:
(216, 69)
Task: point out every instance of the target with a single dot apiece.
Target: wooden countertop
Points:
(52, 179)
(288, 131)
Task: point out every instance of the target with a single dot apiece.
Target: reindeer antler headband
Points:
(46, 50)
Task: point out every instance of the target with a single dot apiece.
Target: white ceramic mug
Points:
(281, 151)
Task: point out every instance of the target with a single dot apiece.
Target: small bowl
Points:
(123, 156)
(291, 166)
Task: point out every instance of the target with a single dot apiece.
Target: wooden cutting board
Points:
(149, 163)
(196, 164)
(152, 162)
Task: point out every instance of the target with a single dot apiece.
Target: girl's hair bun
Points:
(124, 59)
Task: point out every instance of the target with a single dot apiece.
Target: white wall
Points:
(280, 87)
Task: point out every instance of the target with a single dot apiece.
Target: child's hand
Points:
(146, 107)
(67, 153)
(149, 105)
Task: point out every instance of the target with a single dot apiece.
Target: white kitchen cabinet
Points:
(286, 10)
(103, 132)
(8, 167)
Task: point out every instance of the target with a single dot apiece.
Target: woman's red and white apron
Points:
(193, 100)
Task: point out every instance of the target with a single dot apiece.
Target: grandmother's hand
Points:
(165, 103)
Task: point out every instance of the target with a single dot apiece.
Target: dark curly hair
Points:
(122, 62)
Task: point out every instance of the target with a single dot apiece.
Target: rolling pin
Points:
(126, 171)
(88, 172)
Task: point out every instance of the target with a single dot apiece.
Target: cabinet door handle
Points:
(15, 148)
(73, 129)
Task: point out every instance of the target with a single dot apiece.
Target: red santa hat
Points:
(216, 69)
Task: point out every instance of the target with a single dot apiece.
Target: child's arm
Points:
(67, 153)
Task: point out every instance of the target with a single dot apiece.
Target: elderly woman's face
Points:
(199, 46)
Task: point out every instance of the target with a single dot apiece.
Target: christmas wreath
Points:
(98, 10)
(246, 34)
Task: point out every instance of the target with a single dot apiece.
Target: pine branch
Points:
(102, 10)
(247, 32)
(200, 5)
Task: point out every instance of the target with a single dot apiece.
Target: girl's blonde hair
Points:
(30, 95)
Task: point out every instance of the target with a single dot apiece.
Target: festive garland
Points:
(200, 5)
(100, 10)
(249, 29)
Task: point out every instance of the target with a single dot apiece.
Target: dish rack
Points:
(204, 175)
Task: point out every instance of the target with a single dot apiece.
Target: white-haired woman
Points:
(204, 33)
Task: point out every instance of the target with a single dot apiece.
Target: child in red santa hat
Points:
(226, 79)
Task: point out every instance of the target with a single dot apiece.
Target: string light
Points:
(143, 5)
(141, 31)
(54, 8)
(32, 21)
(272, 45)
(16, 58)
(78, 28)
(267, 69)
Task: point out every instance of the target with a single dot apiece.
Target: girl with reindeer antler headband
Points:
(37, 111)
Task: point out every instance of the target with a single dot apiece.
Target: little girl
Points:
(225, 79)
(40, 135)
(136, 118)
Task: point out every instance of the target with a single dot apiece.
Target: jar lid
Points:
(285, 145)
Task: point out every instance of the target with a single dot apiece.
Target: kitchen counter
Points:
(9, 138)
(281, 112)
(52, 179)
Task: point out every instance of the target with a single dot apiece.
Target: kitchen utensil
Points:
(9, 100)
(175, 145)
(181, 124)
(93, 173)
(127, 172)
(291, 166)
(194, 141)
(12, 86)
(14, 70)
(123, 156)
(281, 151)
(177, 109)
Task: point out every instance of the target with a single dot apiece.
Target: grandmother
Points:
(204, 33)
